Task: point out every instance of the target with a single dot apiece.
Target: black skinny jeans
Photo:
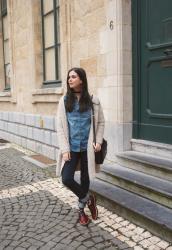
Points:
(68, 172)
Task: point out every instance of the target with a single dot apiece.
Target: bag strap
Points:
(94, 130)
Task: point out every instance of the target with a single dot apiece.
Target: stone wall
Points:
(96, 35)
(98, 38)
(34, 132)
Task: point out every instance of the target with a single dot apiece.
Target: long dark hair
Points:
(85, 99)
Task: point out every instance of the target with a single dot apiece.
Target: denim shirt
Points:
(79, 127)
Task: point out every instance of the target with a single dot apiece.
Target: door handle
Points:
(168, 52)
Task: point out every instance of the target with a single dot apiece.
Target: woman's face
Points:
(74, 81)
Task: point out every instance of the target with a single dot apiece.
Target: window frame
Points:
(3, 9)
(3, 14)
(55, 46)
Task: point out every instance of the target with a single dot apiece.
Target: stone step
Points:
(155, 148)
(145, 213)
(147, 163)
(142, 184)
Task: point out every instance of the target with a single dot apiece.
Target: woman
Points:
(75, 137)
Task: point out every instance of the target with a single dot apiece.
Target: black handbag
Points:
(100, 155)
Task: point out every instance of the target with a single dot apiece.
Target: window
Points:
(5, 38)
(51, 42)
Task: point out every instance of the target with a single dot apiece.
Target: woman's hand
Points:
(97, 147)
(66, 156)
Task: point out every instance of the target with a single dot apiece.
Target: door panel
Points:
(155, 114)
(158, 79)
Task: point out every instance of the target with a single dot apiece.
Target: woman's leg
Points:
(68, 173)
(85, 181)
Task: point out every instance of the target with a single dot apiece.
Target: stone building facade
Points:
(95, 35)
(125, 47)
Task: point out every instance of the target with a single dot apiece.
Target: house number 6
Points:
(111, 25)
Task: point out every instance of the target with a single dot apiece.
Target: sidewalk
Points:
(37, 212)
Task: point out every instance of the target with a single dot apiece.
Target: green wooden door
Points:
(152, 46)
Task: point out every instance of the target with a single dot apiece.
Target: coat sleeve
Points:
(100, 125)
(61, 130)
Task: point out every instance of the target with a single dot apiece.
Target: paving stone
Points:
(82, 248)
(49, 245)
(138, 248)
(5, 243)
(112, 248)
(122, 230)
(48, 238)
(25, 245)
(97, 239)
(122, 238)
(119, 219)
(146, 235)
(100, 246)
(75, 243)
(20, 248)
(14, 243)
(113, 216)
(124, 223)
(58, 239)
(145, 243)
(116, 226)
(88, 243)
(80, 238)
(9, 248)
(138, 230)
(123, 246)
(154, 239)
(162, 244)
(109, 221)
(153, 247)
(117, 242)
(38, 212)
(137, 238)
(130, 243)
(129, 234)
(57, 247)
(34, 242)
(114, 233)
(103, 224)
(108, 229)
(66, 241)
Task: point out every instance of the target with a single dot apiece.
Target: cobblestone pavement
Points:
(37, 212)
